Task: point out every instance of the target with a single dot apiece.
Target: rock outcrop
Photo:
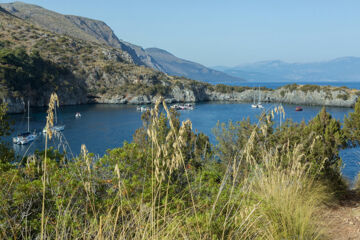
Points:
(323, 96)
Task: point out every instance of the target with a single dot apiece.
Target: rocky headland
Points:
(290, 94)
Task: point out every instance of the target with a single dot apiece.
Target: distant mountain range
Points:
(180, 67)
(339, 69)
(97, 31)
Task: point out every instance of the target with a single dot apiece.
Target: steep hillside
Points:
(74, 26)
(180, 67)
(98, 31)
(34, 62)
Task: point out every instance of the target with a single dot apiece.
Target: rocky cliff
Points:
(99, 32)
(324, 96)
(290, 94)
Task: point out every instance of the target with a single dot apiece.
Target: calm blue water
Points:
(106, 126)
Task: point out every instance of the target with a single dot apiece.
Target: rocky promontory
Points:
(289, 94)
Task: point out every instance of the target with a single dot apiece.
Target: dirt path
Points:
(342, 221)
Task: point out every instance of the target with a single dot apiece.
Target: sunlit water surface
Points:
(107, 126)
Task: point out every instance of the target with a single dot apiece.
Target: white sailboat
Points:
(25, 137)
(259, 102)
(254, 105)
(257, 105)
(142, 108)
(55, 128)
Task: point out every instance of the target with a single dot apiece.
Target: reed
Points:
(155, 191)
(49, 123)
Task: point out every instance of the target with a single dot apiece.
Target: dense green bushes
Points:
(29, 75)
(222, 88)
(261, 181)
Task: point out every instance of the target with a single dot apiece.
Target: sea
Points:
(107, 126)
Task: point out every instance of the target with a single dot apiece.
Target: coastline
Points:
(305, 95)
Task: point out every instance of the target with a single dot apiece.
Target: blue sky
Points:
(229, 32)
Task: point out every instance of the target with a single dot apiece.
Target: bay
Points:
(107, 126)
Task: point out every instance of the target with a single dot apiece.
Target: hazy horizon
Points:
(231, 33)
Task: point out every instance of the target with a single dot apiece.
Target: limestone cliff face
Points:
(14, 105)
(337, 97)
(329, 97)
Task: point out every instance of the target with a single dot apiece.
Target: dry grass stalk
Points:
(263, 200)
(54, 101)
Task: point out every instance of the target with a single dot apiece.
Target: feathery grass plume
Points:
(149, 191)
(84, 153)
(53, 102)
(290, 196)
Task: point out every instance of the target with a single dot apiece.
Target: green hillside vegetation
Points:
(258, 182)
(27, 75)
(63, 24)
(97, 31)
(70, 66)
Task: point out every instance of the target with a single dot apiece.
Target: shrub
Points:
(165, 185)
(344, 96)
(282, 93)
(310, 88)
(291, 87)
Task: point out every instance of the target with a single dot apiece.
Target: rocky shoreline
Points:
(334, 97)
(321, 96)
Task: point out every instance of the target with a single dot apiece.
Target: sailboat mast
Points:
(28, 118)
(55, 115)
(259, 95)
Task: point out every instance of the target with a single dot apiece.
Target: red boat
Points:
(298, 109)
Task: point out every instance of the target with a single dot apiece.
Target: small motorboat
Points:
(298, 109)
(186, 106)
(77, 115)
(142, 108)
(258, 105)
(56, 127)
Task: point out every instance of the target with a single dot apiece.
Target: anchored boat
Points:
(186, 106)
(55, 128)
(258, 104)
(25, 137)
(142, 108)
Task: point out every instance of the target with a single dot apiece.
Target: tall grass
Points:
(247, 200)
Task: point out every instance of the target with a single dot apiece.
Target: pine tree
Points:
(352, 126)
